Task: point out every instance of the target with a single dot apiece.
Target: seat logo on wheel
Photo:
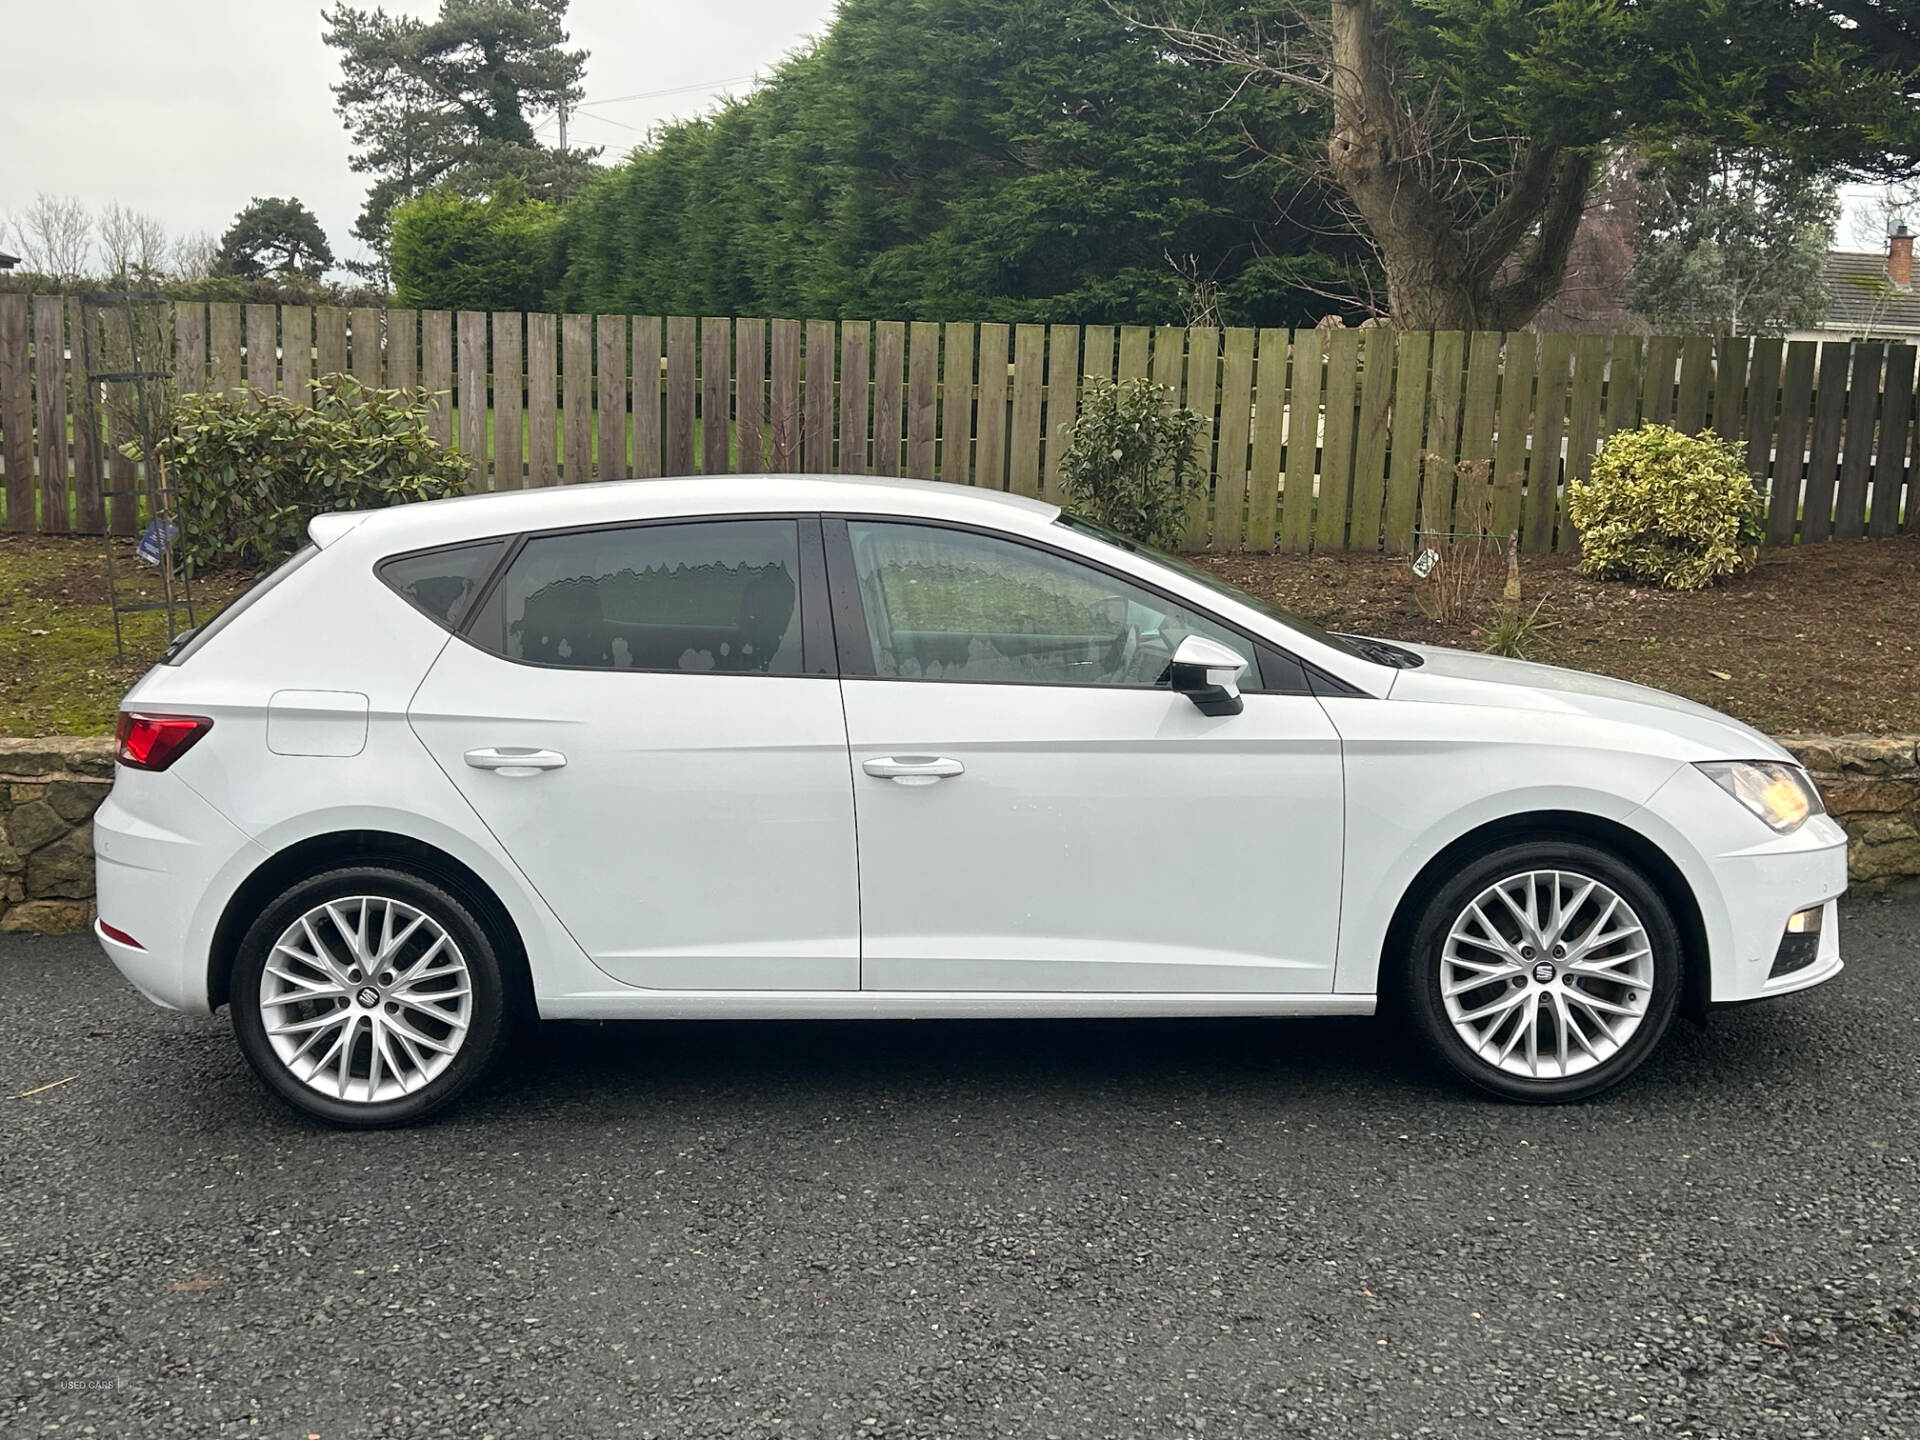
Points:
(1543, 971)
(370, 997)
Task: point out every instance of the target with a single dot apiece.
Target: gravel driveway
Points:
(1228, 1228)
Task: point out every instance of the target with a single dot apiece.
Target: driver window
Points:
(952, 605)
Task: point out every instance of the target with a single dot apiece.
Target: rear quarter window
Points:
(442, 583)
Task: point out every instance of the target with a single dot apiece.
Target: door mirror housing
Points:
(1208, 673)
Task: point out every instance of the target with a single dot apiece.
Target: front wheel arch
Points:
(1610, 835)
(368, 847)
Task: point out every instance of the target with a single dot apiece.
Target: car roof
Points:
(508, 512)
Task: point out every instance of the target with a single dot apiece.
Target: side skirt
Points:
(630, 1004)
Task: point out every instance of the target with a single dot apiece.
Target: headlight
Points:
(1780, 794)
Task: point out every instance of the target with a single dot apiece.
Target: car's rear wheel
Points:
(368, 996)
(1546, 971)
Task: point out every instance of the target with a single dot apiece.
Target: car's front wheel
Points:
(368, 996)
(1545, 971)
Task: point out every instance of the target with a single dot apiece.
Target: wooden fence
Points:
(1314, 439)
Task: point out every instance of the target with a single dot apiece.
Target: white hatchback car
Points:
(786, 747)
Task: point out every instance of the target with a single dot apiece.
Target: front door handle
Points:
(515, 760)
(913, 769)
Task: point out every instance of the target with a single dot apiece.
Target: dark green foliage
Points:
(274, 237)
(1131, 460)
(248, 470)
(454, 253)
(968, 159)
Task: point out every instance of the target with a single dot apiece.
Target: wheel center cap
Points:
(1544, 971)
(370, 997)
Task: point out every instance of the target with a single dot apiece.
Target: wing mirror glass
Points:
(1208, 673)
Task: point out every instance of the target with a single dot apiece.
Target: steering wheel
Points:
(1124, 649)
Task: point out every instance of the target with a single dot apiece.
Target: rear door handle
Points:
(515, 759)
(913, 769)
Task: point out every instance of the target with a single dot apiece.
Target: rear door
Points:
(647, 719)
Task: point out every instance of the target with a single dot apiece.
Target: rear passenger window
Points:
(443, 582)
(706, 595)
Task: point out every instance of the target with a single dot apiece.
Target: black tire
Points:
(487, 1023)
(1425, 967)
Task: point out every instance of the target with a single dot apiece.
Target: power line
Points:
(659, 94)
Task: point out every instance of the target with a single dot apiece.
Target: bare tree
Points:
(1888, 208)
(1472, 230)
(133, 243)
(56, 236)
(194, 255)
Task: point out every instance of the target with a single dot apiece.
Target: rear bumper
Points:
(159, 853)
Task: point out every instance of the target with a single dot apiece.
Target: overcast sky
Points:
(188, 108)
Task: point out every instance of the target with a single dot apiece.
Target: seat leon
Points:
(787, 747)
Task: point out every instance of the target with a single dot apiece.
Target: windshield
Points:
(1214, 583)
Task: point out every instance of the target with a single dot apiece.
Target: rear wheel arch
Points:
(1627, 844)
(318, 853)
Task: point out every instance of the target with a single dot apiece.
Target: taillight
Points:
(153, 742)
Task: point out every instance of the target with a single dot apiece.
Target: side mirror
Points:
(1208, 673)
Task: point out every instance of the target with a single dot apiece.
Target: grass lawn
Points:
(1818, 638)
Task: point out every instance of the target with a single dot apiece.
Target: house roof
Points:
(1864, 300)
(7, 262)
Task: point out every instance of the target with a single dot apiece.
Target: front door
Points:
(1038, 812)
(646, 719)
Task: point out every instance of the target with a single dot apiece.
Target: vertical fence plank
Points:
(296, 353)
(990, 430)
(783, 449)
(1443, 434)
(363, 324)
(50, 395)
(1096, 358)
(1863, 414)
(436, 372)
(1062, 403)
(1135, 343)
(330, 340)
(472, 400)
(647, 397)
(855, 397)
(576, 399)
(1583, 424)
(1302, 461)
(1663, 353)
(1543, 467)
(1476, 433)
(223, 340)
(1370, 440)
(16, 412)
(750, 395)
(85, 356)
(1398, 514)
(1202, 347)
(610, 410)
(1896, 417)
(1029, 367)
(1623, 384)
(1790, 451)
(262, 341)
(716, 391)
(816, 440)
(889, 382)
(1759, 417)
(956, 405)
(680, 367)
(1509, 475)
(1269, 437)
(403, 346)
(543, 383)
(923, 387)
(1336, 451)
(1696, 373)
(190, 347)
(509, 452)
(1730, 386)
(1823, 451)
(1236, 433)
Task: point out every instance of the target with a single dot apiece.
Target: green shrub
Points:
(248, 470)
(1131, 459)
(1671, 509)
(452, 252)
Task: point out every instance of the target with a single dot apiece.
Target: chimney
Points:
(1900, 257)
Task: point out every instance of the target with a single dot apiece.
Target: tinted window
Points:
(443, 582)
(952, 605)
(709, 595)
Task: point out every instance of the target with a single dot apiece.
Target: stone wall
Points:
(50, 788)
